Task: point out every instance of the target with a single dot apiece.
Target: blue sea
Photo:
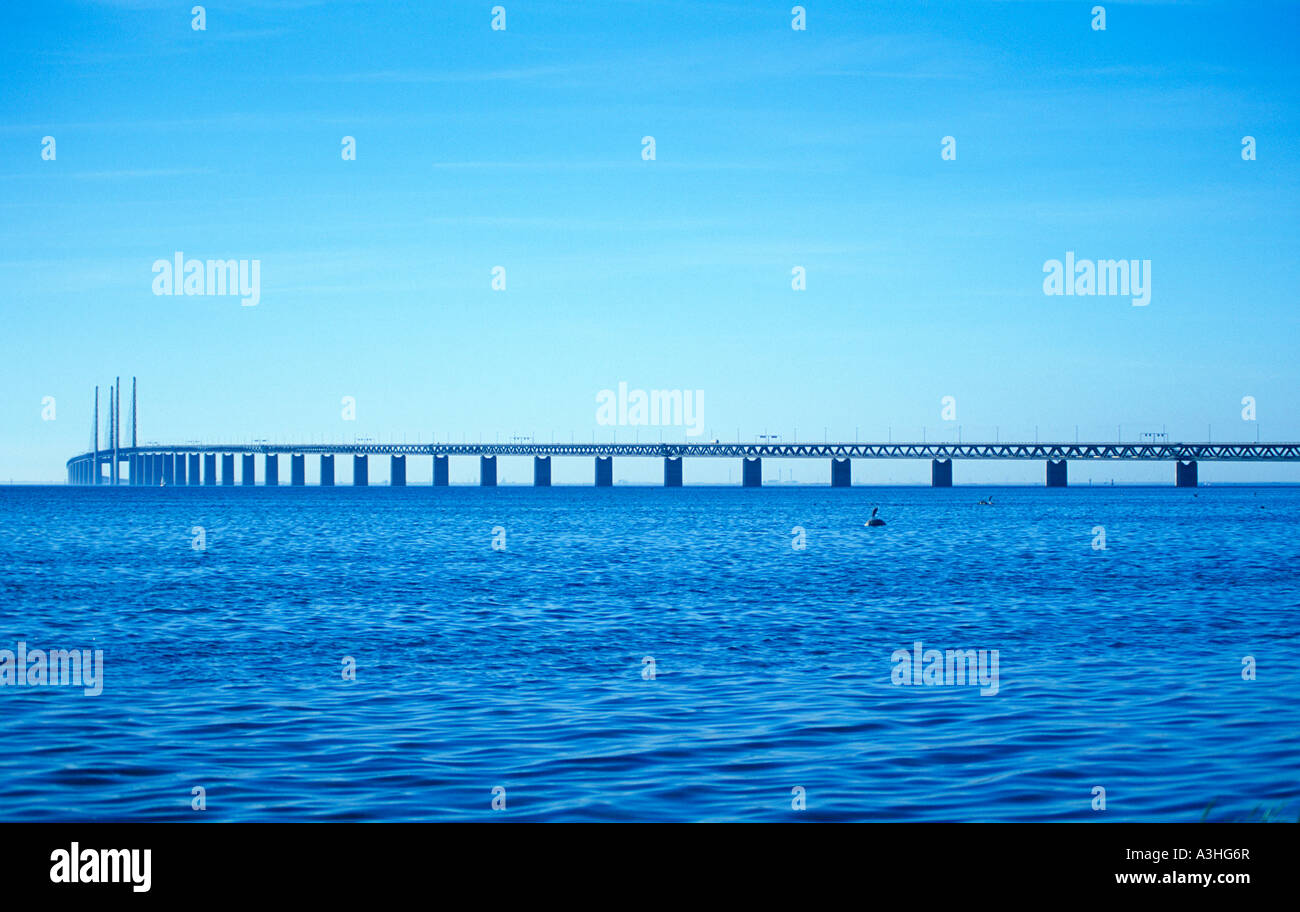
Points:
(652, 654)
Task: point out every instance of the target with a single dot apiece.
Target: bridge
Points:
(192, 464)
(189, 464)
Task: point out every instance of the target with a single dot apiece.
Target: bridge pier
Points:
(209, 468)
(672, 471)
(441, 474)
(541, 471)
(360, 471)
(132, 470)
(227, 468)
(1185, 474)
(604, 471)
(941, 473)
(178, 471)
(841, 473)
(248, 469)
(751, 472)
(272, 463)
(327, 471)
(397, 472)
(1057, 473)
(193, 471)
(487, 471)
(297, 469)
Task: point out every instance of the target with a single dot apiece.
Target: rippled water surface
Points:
(523, 668)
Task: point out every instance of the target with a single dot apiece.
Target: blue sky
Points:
(775, 148)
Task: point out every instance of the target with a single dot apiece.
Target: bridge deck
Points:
(1222, 452)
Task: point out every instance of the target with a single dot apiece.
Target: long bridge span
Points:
(192, 464)
(195, 464)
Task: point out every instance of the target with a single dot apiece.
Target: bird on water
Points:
(874, 520)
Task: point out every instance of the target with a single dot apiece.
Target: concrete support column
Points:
(441, 473)
(361, 470)
(193, 471)
(150, 471)
(132, 467)
(751, 472)
(209, 468)
(672, 471)
(327, 471)
(168, 469)
(1185, 474)
(487, 471)
(941, 473)
(604, 471)
(541, 471)
(397, 472)
(248, 469)
(227, 468)
(179, 470)
(841, 473)
(1057, 473)
(297, 469)
(272, 462)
